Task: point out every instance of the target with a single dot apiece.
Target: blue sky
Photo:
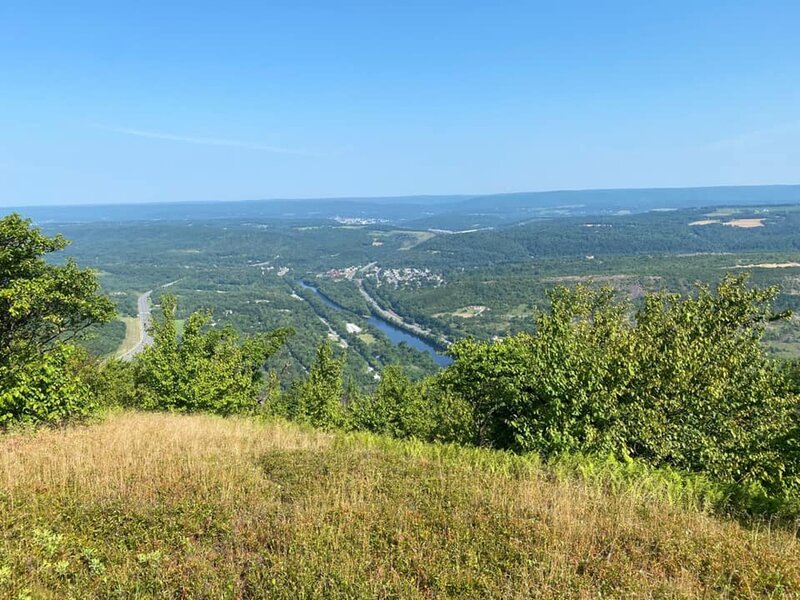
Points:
(172, 101)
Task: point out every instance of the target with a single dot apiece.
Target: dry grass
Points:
(704, 222)
(133, 335)
(745, 223)
(146, 505)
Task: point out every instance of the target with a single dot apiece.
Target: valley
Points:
(385, 294)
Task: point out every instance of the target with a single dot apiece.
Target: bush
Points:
(42, 307)
(317, 400)
(204, 370)
(111, 382)
(453, 418)
(397, 408)
(49, 390)
(791, 370)
(685, 383)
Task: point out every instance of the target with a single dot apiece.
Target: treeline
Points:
(682, 382)
(647, 233)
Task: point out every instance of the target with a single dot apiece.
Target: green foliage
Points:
(705, 396)
(206, 369)
(397, 408)
(318, 398)
(685, 383)
(111, 382)
(452, 416)
(48, 390)
(42, 306)
(791, 370)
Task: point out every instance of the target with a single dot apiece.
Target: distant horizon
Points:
(345, 198)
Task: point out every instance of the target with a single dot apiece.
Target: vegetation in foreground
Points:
(160, 505)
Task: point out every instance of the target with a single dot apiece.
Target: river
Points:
(394, 333)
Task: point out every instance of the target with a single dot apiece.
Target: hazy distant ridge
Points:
(503, 207)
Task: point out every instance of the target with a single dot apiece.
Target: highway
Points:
(145, 339)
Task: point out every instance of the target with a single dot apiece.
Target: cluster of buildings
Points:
(358, 221)
(408, 276)
(382, 276)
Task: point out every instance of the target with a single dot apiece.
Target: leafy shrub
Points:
(47, 390)
(556, 390)
(705, 396)
(404, 409)
(791, 370)
(111, 382)
(204, 370)
(397, 408)
(685, 383)
(317, 400)
(42, 307)
(452, 417)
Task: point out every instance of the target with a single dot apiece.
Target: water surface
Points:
(393, 332)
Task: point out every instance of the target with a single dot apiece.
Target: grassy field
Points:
(133, 334)
(165, 506)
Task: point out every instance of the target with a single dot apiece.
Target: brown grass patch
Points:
(745, 223)
(133, 335)
(154, 505)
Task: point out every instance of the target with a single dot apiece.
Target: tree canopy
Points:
(42, 307)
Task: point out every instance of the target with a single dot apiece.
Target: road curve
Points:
(145, 339)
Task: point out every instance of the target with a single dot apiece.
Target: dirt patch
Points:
(784, 265)
(469, 312)
(745, 223)
(704, 222)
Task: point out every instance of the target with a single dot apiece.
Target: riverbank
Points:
(395, 329)
(390, 315)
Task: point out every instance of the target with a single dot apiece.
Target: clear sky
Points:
(164, 100)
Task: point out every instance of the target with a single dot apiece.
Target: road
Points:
(145, 339)
(394, 318)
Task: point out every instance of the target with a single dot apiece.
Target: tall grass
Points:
(155, 505)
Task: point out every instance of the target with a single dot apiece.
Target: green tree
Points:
(555, 390)
(206, 369)
(397, 408)
(685, 381)
(705, 395)
(318, 399)
(42, 307)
